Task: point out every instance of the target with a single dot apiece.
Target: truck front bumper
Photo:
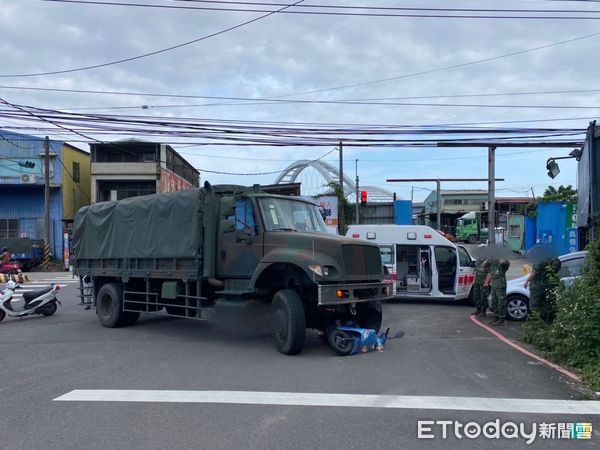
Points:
(340, 294)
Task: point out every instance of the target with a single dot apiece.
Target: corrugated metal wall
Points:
(377, 213)
(551, 225)
(27, 205)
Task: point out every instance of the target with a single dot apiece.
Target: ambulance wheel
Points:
(369, 316)
(2, 315)
(472, 239)
(288, 322)
(340, 341)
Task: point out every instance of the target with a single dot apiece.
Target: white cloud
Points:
(283, 54)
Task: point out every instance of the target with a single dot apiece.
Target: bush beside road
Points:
(574, 336)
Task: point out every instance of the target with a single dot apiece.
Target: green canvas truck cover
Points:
(165, 225)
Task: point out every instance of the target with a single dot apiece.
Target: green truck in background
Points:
(469, 228)
(183, 253)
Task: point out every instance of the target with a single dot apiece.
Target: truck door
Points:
(465, 276)
(239, 251)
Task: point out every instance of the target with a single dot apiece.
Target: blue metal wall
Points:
(25, 201)
(551, 225)
(529, 233)
(20, 147)
(403, 212)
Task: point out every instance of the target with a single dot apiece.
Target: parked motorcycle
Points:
(43, 301)
(10, 268)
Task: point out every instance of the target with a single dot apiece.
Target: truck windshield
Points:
(290, 215)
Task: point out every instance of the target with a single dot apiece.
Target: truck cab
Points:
(469, 228)
(422, 262)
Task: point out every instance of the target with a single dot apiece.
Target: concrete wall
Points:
(75, 195)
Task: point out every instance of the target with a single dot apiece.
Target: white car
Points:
(517, 296)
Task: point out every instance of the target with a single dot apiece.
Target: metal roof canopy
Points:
(492, 146)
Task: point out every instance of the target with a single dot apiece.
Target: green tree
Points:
(562, 194)
(345, 208)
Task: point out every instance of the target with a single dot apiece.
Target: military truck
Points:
(182, 254)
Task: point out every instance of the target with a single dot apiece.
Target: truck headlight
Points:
(317, 269)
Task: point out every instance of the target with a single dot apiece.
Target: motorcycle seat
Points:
(31, 295)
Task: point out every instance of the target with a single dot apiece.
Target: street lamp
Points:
(552, 165)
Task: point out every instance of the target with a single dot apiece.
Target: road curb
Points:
(525, 351)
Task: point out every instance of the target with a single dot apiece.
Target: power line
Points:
(156, 52)
(369, 101)
(265, 173)
(334, 10)
(444, 68)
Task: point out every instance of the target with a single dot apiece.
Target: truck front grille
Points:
(361, 260)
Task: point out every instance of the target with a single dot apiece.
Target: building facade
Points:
(456, 203)
(131, 168)
(22, 180)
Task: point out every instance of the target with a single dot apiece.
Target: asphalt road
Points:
(441, 354)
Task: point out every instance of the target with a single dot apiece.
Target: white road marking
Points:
(511, 405)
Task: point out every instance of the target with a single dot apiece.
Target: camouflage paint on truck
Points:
(185, 252)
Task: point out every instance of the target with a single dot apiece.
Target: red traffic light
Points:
(363, 198)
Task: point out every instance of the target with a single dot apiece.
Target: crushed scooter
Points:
(350, 339)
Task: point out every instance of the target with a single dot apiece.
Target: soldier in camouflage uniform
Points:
(480, 292)
(496, 279)
(542, 282)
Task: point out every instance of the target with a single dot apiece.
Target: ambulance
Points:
(423, 263)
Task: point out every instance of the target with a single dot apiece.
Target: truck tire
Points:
(472, 239)
(109, 306)
(288, 322)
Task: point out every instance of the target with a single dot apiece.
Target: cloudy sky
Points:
(285, 54)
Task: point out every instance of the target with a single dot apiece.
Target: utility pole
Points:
(46, 203)
(491, 195)
(439, 203)
(357, 191)
(341, 200)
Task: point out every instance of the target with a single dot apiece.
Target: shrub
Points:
(574, 335)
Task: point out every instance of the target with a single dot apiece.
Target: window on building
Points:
(9, 228)
(75, 172)
(515, 231)
(455, 201)
(120, 152)
(119, 190)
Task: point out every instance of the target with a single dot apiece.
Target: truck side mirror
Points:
(227, 206)
(227, 226)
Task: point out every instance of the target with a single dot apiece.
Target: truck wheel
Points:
(288, 322)
(472, 239)
(369, 316)
(2, 315)
(109, 306)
